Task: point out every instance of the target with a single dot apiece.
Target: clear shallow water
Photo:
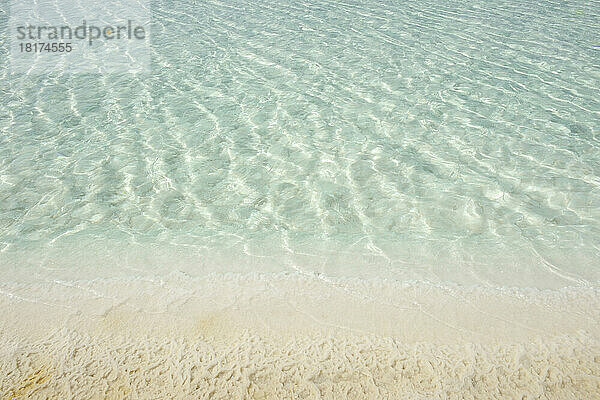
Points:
(387, 139)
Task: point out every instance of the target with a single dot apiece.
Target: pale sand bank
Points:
(280, 336)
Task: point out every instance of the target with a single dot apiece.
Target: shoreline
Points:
(296, 336)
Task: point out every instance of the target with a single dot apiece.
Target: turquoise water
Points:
(442, 141)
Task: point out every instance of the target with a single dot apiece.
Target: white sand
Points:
(280, 336)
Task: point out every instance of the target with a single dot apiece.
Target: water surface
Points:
(448, 141)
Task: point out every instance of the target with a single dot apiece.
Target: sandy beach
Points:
(287, 336)
(300, 199)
